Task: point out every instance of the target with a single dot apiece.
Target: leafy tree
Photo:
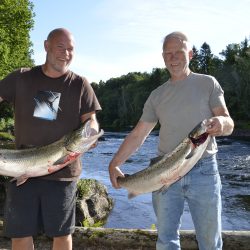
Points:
(235, 79)
(122, 98)
(16, 21)
(242, 86)
(15, 24)
(230, 53)
(204, 61)
(194, 63)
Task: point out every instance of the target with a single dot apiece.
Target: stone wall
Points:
(132, 239)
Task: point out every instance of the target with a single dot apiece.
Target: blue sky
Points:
(114, 37)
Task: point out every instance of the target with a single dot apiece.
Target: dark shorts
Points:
(40, 206)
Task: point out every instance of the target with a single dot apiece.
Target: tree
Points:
(235, 78)
(194, 63)
(242, 85)
(15, 45)
(16, 21)
(205, 58)
(231, 51)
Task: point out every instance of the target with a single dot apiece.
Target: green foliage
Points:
(122, 98)
(235, 79)
(15, 24)
(4, 136)
(100, 223)
(7, 124)
(83, 187)
(15, 46)
(204, 61)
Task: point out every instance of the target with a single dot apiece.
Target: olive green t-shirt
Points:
(47, 108)
(179, 106)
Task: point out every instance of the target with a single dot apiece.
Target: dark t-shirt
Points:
(48, 108)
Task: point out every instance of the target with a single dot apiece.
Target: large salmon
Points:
(38, 161)
(167, 169)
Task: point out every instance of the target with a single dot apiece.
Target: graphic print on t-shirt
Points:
(47, 105)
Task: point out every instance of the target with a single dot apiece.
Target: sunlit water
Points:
(234, 163)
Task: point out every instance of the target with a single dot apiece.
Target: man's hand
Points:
(94, 132)
(215, 126)
(114, 172)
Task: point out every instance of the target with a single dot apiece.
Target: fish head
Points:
(80, 140)
(199, 134)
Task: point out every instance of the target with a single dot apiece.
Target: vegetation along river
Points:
(234, 167)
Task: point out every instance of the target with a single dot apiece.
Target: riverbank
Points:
(132, 239)
(241, 134)
(7, 140)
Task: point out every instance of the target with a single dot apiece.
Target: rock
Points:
(131, 239)
(93, 204)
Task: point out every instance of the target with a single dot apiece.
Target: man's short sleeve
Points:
(8, 86)
(89, 101)
(149, 114)
(217, 95)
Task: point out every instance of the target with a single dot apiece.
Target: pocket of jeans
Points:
(208, 166)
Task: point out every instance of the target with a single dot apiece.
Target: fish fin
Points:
(67, 159)
(20, 180)
(155, 159)
(191, 154)
(61, 163)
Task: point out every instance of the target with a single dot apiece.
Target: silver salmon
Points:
(39, 161)
(167, 169)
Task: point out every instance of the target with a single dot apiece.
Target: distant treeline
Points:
(122, 98)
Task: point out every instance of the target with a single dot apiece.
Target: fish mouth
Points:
(199, 139)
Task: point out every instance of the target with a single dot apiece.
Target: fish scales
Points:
(143, 181)
(167, 169)
(38, 161)
(15, 160)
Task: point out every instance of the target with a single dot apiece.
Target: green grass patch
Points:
(4, 136)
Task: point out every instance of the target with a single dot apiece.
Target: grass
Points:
(4, 136)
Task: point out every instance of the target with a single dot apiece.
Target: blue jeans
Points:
(201, 188)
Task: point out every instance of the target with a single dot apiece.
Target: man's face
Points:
(60, 51)
(177, 57)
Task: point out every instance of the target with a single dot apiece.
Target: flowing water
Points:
(234, 166)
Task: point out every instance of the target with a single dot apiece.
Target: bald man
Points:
(49, 101)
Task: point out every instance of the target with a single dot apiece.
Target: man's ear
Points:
(190, 54)
(46, 45)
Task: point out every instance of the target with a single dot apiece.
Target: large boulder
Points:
(93, 203)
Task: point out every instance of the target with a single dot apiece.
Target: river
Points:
(234, 167)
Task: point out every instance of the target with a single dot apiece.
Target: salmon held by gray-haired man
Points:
(169, 168)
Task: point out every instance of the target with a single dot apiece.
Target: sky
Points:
(115, 37)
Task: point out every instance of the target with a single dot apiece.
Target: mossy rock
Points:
(93, 203)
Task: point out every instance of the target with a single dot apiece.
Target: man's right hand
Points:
(114, 172)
